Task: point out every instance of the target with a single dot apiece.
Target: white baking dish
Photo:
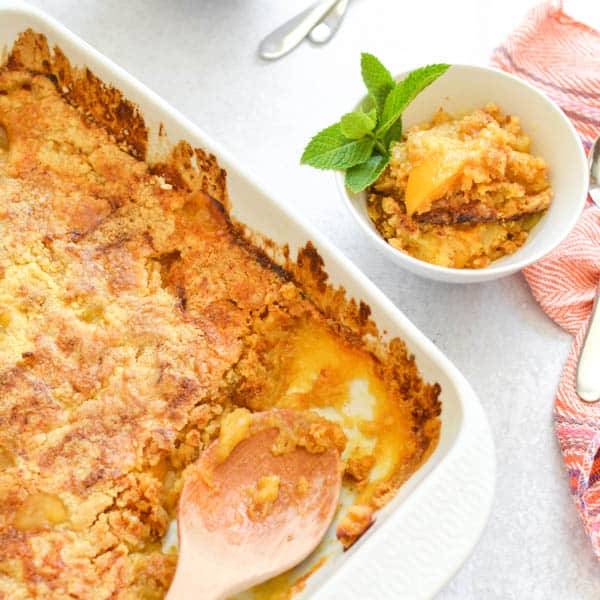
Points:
(421, 538)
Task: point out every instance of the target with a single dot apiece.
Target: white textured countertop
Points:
(201, 57)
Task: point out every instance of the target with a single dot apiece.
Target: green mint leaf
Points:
(368, 105)
(330, 149)
(372, 114)
(393, 134)
(361, 141)
(405, 92)
(377, 78)
(355, 125)
(361, 176)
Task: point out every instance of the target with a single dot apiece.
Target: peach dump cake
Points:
(135, 318)
(461, 191)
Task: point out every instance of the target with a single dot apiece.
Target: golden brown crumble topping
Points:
(133, 320)
(354, 523)
(461, 192)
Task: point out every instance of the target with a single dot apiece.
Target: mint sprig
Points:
(331, 149)
(360, 176)
(356, 125)
(361, 141)
(405, 92)
(377, 78)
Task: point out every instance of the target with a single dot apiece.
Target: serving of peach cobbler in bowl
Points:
(487, 177)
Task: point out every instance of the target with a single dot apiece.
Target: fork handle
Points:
(290, 34)
(588, 369)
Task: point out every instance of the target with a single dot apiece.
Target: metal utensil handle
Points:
(588, 369)
(290, 34)
(326, 29)
(594, 162)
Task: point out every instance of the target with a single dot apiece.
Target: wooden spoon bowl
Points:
(233, 533)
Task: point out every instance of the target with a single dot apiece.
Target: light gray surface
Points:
(201, 57)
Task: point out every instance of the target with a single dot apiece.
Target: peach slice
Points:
(432, 178)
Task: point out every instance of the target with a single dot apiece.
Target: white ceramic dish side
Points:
(464, 88)
(422, 537)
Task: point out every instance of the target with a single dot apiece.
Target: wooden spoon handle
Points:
(205, 588)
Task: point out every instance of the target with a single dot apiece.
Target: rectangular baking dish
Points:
(421, 538)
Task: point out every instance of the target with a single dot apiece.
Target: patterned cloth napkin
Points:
(561, 57)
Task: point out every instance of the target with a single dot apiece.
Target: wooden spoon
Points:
(225, 547)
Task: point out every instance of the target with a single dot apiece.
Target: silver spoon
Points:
(287, 36)
(588, 369)
(327, 28)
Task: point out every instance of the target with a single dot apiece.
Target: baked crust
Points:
(494, 193)
(133, 317)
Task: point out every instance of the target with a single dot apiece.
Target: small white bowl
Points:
(553, 137)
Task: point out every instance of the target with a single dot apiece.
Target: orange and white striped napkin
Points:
(561, 56)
